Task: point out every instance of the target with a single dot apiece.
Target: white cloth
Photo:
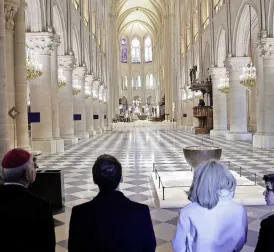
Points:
(14, 184)
(221, 229)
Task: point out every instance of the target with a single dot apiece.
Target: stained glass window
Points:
(123, 51)
(148, 50)
(135, 51)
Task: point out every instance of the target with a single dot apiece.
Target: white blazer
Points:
(221, 229)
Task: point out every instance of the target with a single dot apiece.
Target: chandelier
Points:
(34, 69)
(223, 86)
(184, 95)
(248, 78)
(190, 95)
(198, 94)
(61, 79)
(76, 88)
(87, 93)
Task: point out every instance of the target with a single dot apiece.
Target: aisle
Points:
(137, 149)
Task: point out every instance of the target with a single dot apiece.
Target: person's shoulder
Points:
(83, 207)
(138, 206)
(36, 198)
(189, 208)
(269, 221)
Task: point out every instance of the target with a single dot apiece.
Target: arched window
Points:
(148, 50)
(124, 83)
(136, 82)
(135, 51)
(123, 51)
(149, 81)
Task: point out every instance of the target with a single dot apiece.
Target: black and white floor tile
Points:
(137, 149)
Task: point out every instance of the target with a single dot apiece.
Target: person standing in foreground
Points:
(110, 222)
(213, 222)
(26, 219)
(266, 241)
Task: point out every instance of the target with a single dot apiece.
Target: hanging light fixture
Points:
(76, 88)
(61, 79)
(224, 86)
(34, 69)
(248, 78)
(87, 93)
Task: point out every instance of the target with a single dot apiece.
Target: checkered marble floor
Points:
(137, 149)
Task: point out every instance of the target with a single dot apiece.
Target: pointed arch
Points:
(242, 30)
(59, 25)
(221, 48)
(35, 16)
(76, 45)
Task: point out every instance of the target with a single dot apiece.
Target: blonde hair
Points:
(210, 178)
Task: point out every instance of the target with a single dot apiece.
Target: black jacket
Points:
(110, 223)
(266, 238)
(26, 221)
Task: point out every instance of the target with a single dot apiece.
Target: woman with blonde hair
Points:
(213, 222)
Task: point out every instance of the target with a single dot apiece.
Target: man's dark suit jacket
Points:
(111, 223)
(266, 236)
(26, 221)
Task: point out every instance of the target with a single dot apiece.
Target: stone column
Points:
(89, 107)
(219, 103)
(237, 96)
(10, 11)
(96, 108)
(21, 91)
(54, 96)
(66, 63)
(40, 93)
(4, 134)
(264, 138)
(79, 104)
(101, 107)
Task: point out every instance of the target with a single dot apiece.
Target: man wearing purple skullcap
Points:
(26, 219)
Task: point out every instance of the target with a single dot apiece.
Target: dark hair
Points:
(107, 172)
(269, 178)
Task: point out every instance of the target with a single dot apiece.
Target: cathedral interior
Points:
(140, 80)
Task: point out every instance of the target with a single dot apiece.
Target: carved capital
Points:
(66, 62)
(266, 47)
(95, 85)
(56, 41)
(10, 9)
(89, 79)
(80, 72)
(40, 42)
(218, 72)
(236, 64)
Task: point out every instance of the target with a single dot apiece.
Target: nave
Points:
(137, 149)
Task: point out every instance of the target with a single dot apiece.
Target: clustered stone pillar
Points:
(219, 103)
(4, 135)
(79, 106)
(54, 95)
(264, 138)
(89, 106)
(10, 11)
(237, 96)
(96, 109)
(21, 93)
(40, 93)
(66, 63)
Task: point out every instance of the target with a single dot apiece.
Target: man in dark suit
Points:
(266, 241)
(26, 219)
(110, 222)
